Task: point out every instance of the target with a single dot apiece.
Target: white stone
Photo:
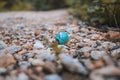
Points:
(86, 40)
(53, 77)
(38, 45)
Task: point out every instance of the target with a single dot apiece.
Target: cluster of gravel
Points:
(26, 53)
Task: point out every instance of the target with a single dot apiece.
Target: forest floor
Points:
(27, 51)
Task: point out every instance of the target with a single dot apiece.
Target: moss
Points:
(55, 47)
(100, 11)
(31, 4)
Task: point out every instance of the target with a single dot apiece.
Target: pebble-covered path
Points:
(27, 51)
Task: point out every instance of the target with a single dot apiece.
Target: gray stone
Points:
(2, 45)
(72, 64)
(18, 27)
(18, 57)
(45, 54)
(82, 34)
(2, 52)
(23, 76)
(46, 27)
(53, 77)
(94, 45)
(45, 35)
(105, 71)
(115, 52)
(97, 54)
(85, 49)
(108, 45)
(71, 29)
(29, 55)
(100, 48)
(10, 78)
(13, 49)
(24, 64)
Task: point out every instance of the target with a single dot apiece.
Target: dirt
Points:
(31, 17)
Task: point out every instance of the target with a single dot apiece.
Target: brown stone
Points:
(22, 52)
(37, 32)
(98, 63)
(6, 60)
(113, 35)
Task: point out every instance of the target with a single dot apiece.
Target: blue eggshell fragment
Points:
(62, 38)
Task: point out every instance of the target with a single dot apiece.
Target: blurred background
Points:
(103, 12)
(36, 5)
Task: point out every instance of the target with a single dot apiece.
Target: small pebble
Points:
(82, 34)
(2, 70)
(36, 62)
(108, 45)
(28, 46)
(95, 36)
(97, 54)
(85, 49)
(115, 52)
(88, 64)
(18, 27)
(18, 57)
(37, 32)
(13, 49)
(72, 64)
(53, 77)
(45, 55)
(45, 27)
(49, 67)
(22, 52)
(38, 45)
(24, 64)
(84, 30)
(86, 40)
(2, 52)
(2, 45)
(6, 60)
(23, 76)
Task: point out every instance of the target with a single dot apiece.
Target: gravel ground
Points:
(27, 51)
